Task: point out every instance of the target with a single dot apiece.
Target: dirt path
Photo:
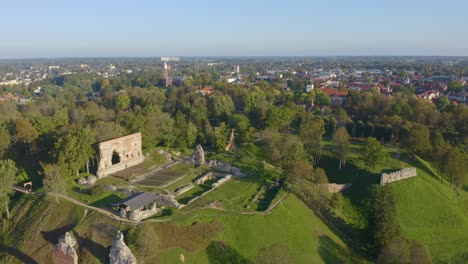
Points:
(97, 209)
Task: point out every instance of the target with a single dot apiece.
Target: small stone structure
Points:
(119, 252)
(226, 167)
(138, 206)
(90, 180)
(334, 188)
(198, 157)
(184, 189)
(397, 175)
(64, 251)
(118, 154)
(221, 181)
(167, 200)
(208, 176)
(165, 154)
(230, 145)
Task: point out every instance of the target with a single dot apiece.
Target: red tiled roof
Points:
(333, 92)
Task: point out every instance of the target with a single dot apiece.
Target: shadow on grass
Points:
(107, 201)
(81, 190)
(17, 254)
(465, 188)
(269, 195)
(330, 251)
(363, 182)
(53, 235)
(96, 249)
(221, 253)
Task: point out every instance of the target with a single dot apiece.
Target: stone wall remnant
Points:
(230, 145)
(118, 154)
(405, 173)
(64, 251)
(119, 252)
(198, 157)
(334, 188)
(165, 154)
(184, 189)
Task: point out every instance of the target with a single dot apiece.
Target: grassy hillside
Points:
(428, 210)
(290, 232)
(431, 213)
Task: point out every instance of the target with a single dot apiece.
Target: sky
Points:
(139, 28)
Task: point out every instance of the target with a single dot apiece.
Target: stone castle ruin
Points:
(120, 253)
(397, 175)
(118, 154)
(64, 251)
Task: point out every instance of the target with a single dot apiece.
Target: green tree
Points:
(85, 140)
(68, 154)
(25, 132)
(442, 103)
(311, 132)
(341, 139)
(373, 153)
(454, 86)
(383, 224)
(221, 136)
(52, 178)
(455, 167)
(122, 102)
(418, 139)
(8, 179)
(4, 140)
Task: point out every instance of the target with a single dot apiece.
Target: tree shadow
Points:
(107, 201)
(53, 235)
(17, 254)
(465, 188)
(330, 251)
(221, 253)
(96, 249)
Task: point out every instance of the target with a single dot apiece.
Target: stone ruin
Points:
(334, 188)
(198, 157)
(118, 154)
(226, 167)
(167, 200)
(397, 175)
(165, 154)
(120, 253)
(230, 145)
(138, 215)
(64, 251)
(90, 180)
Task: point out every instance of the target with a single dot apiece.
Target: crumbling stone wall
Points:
(64, 251)
(397, 175)
(128, 149)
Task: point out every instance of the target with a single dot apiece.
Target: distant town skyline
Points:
(53, 28)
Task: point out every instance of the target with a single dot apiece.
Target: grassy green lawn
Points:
(292, 227)
(431, 213)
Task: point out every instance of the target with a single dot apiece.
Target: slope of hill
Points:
(431, 213)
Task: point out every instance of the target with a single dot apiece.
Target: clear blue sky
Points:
(69, 28)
